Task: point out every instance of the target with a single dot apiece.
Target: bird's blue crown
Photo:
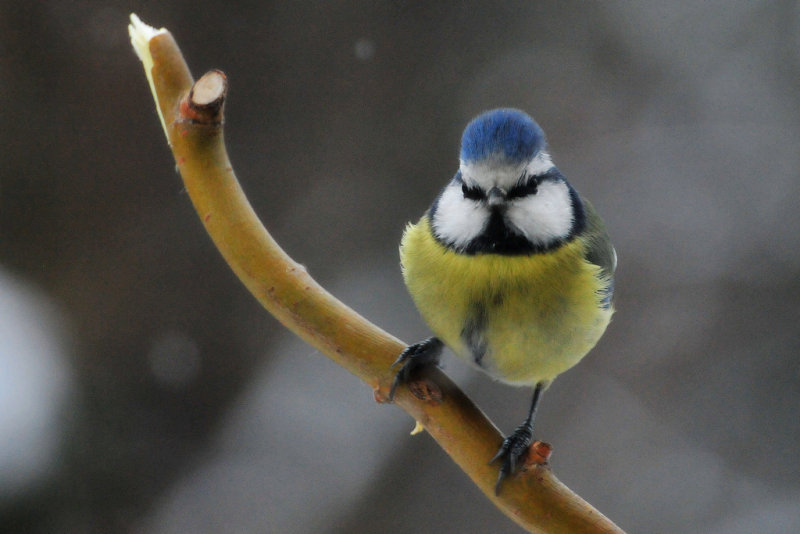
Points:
(508, 133)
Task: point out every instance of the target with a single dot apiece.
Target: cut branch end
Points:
(539, 453)
(205, 101)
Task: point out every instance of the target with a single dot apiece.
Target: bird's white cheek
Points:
(458, 220)
(544, 217)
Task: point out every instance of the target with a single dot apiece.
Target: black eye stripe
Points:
(472, 193)
(522, 190)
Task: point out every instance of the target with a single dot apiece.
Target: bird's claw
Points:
(513, 449)
(413, 358)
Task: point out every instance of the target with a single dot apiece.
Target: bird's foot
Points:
(416, 356)
(513, 449)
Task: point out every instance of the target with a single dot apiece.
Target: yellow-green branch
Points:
(191, 115)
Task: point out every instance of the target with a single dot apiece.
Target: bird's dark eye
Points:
(523, 190)
(472, 193)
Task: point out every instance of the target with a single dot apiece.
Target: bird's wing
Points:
(599, 250)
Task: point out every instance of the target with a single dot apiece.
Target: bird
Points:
(510, 267)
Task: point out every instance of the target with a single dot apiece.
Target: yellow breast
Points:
(522, 319)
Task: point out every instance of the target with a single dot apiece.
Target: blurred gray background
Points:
(143, 390)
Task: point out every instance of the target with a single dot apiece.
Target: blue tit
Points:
(510, 267)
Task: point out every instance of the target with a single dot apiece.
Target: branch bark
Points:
(192, 117)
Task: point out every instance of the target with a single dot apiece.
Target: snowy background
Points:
(143, 390)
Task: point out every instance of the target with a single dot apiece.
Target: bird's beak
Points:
(495, 197)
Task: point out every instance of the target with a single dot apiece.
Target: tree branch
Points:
(192, 118)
